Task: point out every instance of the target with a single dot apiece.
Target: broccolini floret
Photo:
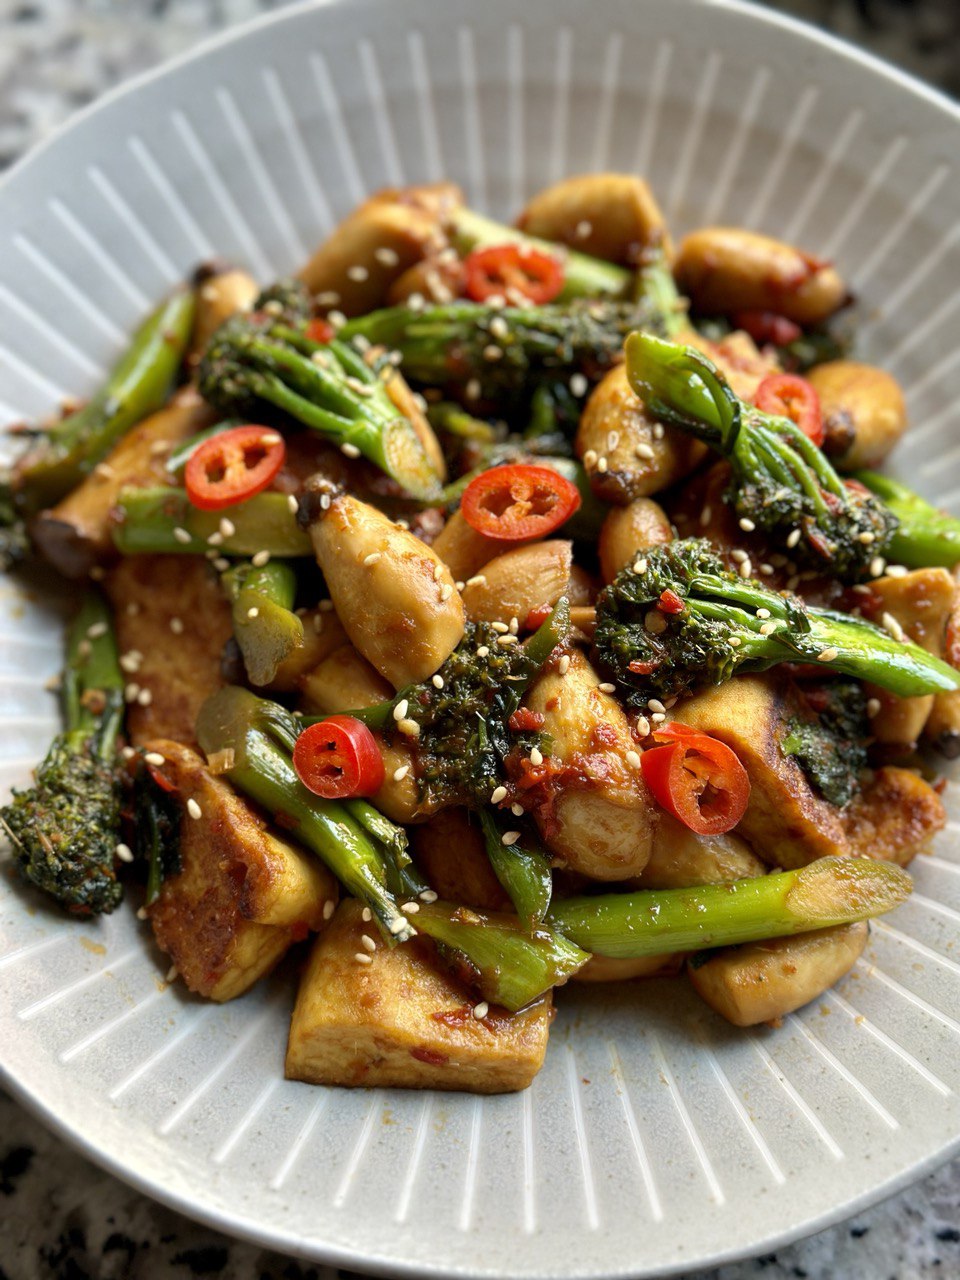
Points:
(676, 620)
(828, 738)
(65, 829)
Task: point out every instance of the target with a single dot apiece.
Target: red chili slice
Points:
(339, 758)
(506, 270)
(233, 466)
(697, 779)
(787, 395)
(670, 602)
(319, 330)
(519, 502)
(767, 327)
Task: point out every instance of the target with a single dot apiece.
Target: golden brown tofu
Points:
(395, 1020)
(864, 413)
(608, 215)
(75, 534)
(242, 896)
(786, 823)
(895, 817)
(222, 291)
(629, 530)
(465, 551)
(764, 981)
(172, 621)
(680, 858)
(520, 581)
(449, 850)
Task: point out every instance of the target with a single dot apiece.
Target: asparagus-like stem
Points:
(583, 276)
(522, 869)
(264, 624)
(508, 964)
(149, 521)
(926, 536)
(831, 891)
(234, 719)
(93, 669)
(137, 386)
(655, 284)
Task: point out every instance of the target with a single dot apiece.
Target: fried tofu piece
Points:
(895, 817)
(242, 896)
(680, 858)
(179, 667)
(399, 1021)
(786, 823)
(449, 850)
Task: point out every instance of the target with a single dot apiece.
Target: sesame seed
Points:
(891, 624)
(130, 691)
(181, 535)
(640, 566)
(583, 229)
(401, 772)
(398, 926)
(482, 651)
(328, 298)
(410, 908)
(613, 439)
(401, 709)
(124, 852)
(578, 385)
(409, 728)
(590, 458)
(738, 556)
(349, 450)
(643, 450)
(658, 717)
(735, 642)
(507, 640)
(438, 571)
(366, 915)
(607, 687)
(368, 942)
(768, 628)
(144, 698)
(358, 273)
(657, 431)
(97, 630)
(563, 666)
(220, 564)
(654, 704)
(655, 622)
(746, 569)
(172, 974)
(499, 327)
(321, 359)
(536, 757)
(509, 838)
(361, 388)
(866, 537)
(481, 1010)
(897, 571)
(227, 527)
(473, 389)
(130, 661)
(877, 566)
(642, 727)
(328, 908)
(477, 580)
(194, 809)
(873, 707)
(793, 582)
(373, 557)
(293, 506)
(155, 758)
(176, 626)
(828, 655)
(747, 525)
(386, 256)
(317, 622)
(633, 759)
(502, 627)
(253, 612)
(270, 438)
(325, 606)
(260, 559)
(84, 648)
(517, 810)
(361, 957)
(602, 465)
(492, 352)
(766, 569)
(142, 913)
(437, 681)
(514, 625)
(446, 591)
(793, 537)
(498, 794)
(127, 753)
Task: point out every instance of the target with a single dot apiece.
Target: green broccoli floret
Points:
(828, 738)
(676, 620)
(65, 829)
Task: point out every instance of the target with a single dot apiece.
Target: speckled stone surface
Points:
(60, 1217)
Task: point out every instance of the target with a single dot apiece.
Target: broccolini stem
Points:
(830, 891)
(235, 719)
(926, 536)
(137, 386)
(509, 965)
(161, 520)
(264, 624)
(522, 869)
(583, 276)
(92, 669)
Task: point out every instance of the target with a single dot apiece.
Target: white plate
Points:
(656, 1138)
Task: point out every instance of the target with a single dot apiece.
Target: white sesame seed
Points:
(317, 622)
(706, 515)
(172, 974)
(734, 642)
(446, 591)
(766, 569)
(130, 661)
(358, 273)
(793, 537)
(658, 717)
(227, 527)
(514, 625)
(502, 627)
(194, 809)
(793, 582)
(410, 908)
(97, 630)
(260, 559)
(563, 666)
(633, 759)
(498, 794)
(747, 525)
(654, 704)
(253, 612)
(763, 613)
(768, 628)
(155, 758)
(505, 641)
(349, 450)
(142, 913)
(366, 915)
(640, 566)
(130, 691)
(897, 570)
(828, 655)
(127, 753)
(373, 557)
(328, 908)
(536, 757)
(477, 580)
(124, 852)
(578, 384)
(176, 626)
(891, 624)
(643, 450)
(325, 606)
(602, 466)
(293, 506)
(482, 651)
(220, 564)
(509, 838)
(386, 256)
(437, 681)
(866, 537)
(746, 569)
(367, 942)
(583, 229)
(642, 727)
(481, 1010)
(328, 298)
(873, 707)
(361, 957)
(473, 389)
(877, 566)
(657, 431)
(409, 728)
(492, 352)
(401, 709)
(499, 327)
(144, 698)
(181, 535)
(590, 458)
(607, 687)
(613, 439)
(398, 926)
(401, 772)
(738, 556)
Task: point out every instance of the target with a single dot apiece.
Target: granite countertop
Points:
(59, 1215)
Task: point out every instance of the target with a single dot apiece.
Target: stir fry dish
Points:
(487, 608)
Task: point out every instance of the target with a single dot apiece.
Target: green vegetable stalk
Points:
(264, 624)
(66, 828)
(137, 386)
(925, 536)
(522, 868)
(830, 891)
(161, 520)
